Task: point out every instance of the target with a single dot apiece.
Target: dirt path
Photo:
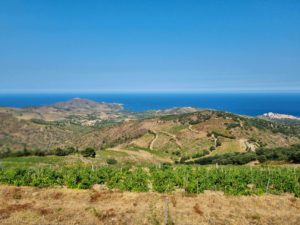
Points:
(247, 145)
(173, 137)
(214, 139)
(193, 130)
(147, 156)
(154, 139)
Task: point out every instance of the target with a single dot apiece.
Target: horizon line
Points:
(148, 91)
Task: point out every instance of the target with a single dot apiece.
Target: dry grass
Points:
(92, 207)
(197, 209)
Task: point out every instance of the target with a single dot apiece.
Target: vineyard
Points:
(192, 179)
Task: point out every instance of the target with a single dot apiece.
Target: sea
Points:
(251, 104)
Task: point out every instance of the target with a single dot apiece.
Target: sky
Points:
(149, 46)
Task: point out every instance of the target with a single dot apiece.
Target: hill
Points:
(175, 134)
(76, 110)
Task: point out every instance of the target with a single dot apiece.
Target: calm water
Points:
(247, 104)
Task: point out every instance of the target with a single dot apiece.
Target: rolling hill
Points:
(175, 134)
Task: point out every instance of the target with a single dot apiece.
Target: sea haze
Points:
(241, 103)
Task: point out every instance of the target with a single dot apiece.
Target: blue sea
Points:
(241, 103)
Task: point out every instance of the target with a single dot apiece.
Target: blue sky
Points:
(141, 45)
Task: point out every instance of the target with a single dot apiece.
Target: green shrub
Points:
(295, 157)
(88, 152)
(231, 125)
(38, 152)
(212, 148)
(218, 134)
(218, 143)
(200, 154)
(289, 154)
(111, 161)
(60, 152)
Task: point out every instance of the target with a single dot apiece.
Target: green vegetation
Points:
(189, 118)
(288, 154)
(286, 122)
(218, 143)
(291, 154)
(111, 161)
(88, 152)
(200, 154)
(37, 152)
(219, 134)
(64, 152)
(293, 130)
(228, 158)
(89, 130)
(76, 159)
(42, 163)
(193, 179)
(105, 123)
(38, 162)
(231, 125)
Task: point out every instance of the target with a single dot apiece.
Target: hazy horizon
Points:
(149, 92)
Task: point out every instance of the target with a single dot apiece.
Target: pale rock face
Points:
(272, 115)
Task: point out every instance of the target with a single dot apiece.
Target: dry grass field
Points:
(34, 206)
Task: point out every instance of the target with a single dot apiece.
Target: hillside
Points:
(209, 133)
(176, 134)
(86, 113)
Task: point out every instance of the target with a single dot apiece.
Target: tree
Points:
(60, 152)
(212, 148)
(295, 157)
(89, 152)
(218, 143)
(262, 158)
(39, 153)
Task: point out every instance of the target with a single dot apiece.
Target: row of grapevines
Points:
(193, 179)
(231, 180)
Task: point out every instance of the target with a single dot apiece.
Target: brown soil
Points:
(99, 206)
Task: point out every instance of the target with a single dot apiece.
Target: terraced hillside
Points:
(209, 133)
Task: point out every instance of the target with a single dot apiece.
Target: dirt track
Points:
(173, 137)
(143, 155)
(88, 207)
(153, 140)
